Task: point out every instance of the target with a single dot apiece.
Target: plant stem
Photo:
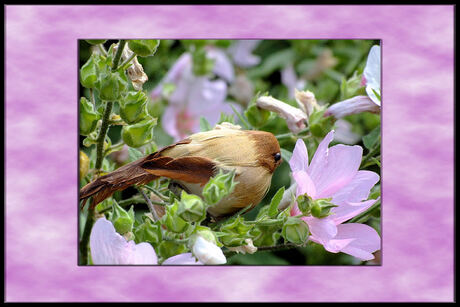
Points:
(267, 248)
(117, 58)
(161, 196)
(243, 121)
(150, 205)
(85, 236)
(290, 134)
(372, 152)
(102, 49)
(125, 63)
(102, 134)
(365, 213)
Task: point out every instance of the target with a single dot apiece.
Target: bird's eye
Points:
(277, 157)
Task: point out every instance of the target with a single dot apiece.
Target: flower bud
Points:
(138, 134)
(218, 187)
(354, 105)
(84, 164)
(235, 231)
(132, 106)
(122, 221)
(306, 101)
(304, 204)
(207, 252)
(295, 118)
(265, 235)
(148, 232)
(172, 220)
(206, 233)
(112, 86)
(295, 230)
(95, 41)
(88, 117)
(144, 47)
(321, 207)
(191, 208)
(88, 73)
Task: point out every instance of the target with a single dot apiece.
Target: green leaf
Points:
(272, 63)
(371, 139)
(273, 209)
(243, 121)
(204, 124)
(134, 154)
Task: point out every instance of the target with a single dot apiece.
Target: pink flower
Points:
(109, 247)
(333, 173)
(290, 80)
(354, 105)
(241, 52)
(194, 96)
(369, 103)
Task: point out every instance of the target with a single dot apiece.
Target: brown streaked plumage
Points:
(254, 155)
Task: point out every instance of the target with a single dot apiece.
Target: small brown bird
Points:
(254, 155)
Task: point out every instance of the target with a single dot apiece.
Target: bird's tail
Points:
(118, 180)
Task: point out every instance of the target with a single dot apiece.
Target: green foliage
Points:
(88, 117)
(132, 107)
(144, 47)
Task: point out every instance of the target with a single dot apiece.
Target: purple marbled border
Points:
(41, 87)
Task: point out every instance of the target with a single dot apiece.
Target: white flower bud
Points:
(208, 252)
(295, 118)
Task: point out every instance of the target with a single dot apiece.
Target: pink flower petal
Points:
(109, 247)
(144, 253)
(366, 240)
(322, 230)
(348, 210)
(344, 134)
(294, 210)
(354, 105)
(185, 258)
(222, 65)
(289, 79)
(335, 169)
(299, 159)
(335, 246)
(182, 87)
(204, 93)
(357, 189)
(175, 74)
(320, 156)
(304, 184)
(169, 122)
(241, 52)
